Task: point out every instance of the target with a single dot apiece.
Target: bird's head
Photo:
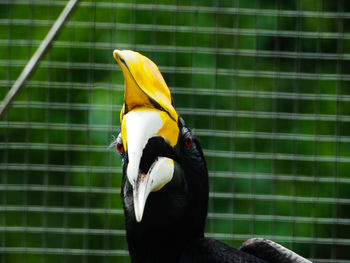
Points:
(163, 165)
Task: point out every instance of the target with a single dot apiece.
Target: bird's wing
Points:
(207, 250)
(271, 251)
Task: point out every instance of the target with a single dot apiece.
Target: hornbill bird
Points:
(165, 179)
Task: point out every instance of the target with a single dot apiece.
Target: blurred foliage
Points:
(264, 85)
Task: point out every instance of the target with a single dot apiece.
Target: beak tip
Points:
(139, 204)
(138, 215)
(138, 219)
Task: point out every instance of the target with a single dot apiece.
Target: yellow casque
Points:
(145, 89)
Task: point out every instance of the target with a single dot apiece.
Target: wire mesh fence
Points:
(264, 84)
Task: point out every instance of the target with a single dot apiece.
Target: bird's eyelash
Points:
(114, 142)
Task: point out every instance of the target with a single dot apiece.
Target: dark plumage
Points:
(175, 215)
(172, 228)
(271, 251)
(165, 180)
(208, 250)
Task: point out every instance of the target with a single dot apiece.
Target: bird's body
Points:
(165, 180)
(171, 218)
(207, 250)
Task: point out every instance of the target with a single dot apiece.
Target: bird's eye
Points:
(120, 147)
(188, 142)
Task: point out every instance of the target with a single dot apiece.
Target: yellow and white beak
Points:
(147, 112)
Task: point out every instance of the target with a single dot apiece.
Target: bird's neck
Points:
(155, 253)
(157, 247)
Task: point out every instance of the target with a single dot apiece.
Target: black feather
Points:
(271, 251)
(207, 250)
(172, 227)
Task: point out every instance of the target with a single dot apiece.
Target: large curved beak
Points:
(160, 173)
(147, 112)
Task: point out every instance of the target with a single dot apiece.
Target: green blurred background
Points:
(264, 84)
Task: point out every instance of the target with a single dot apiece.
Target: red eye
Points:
(188, 142)
(120, 147)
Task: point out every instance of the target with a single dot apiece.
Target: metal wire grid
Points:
(264, 83)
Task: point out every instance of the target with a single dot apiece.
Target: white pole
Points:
(32, 63)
